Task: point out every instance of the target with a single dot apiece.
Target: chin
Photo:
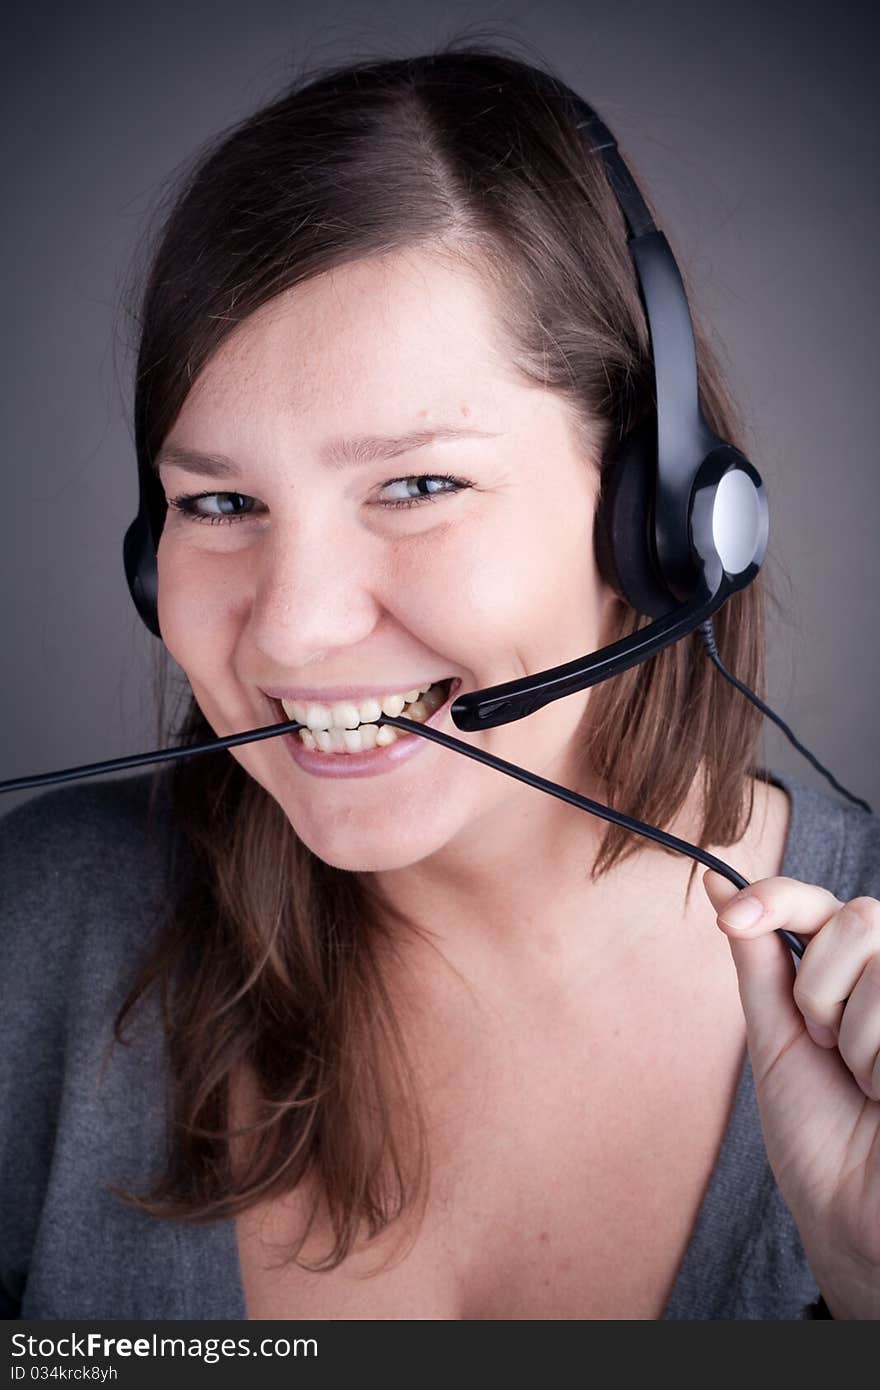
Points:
(355, 855)
(344, 840)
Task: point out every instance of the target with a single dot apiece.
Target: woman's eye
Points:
(417, 488)
(425, 489)
(186, 505)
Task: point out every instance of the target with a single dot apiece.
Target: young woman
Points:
(405, 1037)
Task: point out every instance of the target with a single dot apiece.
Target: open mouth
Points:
(368, 736)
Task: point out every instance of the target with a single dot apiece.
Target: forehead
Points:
(400, 334)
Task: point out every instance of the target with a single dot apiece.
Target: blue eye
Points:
(425, 491)
(186, 506)
(421, 494)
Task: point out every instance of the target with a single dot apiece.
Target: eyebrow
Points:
(343, 452)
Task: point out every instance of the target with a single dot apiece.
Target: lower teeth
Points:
(369, 736)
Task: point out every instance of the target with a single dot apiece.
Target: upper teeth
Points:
(346, 715)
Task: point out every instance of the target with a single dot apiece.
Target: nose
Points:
(312, 593)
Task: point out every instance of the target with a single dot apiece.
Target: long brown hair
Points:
(270, 959)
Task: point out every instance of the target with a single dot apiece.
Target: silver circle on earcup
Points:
(729, 515)
(736, 521)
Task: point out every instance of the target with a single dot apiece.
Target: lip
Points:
(373, 763)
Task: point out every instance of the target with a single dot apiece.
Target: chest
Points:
(570, 1154)
(559, 1189)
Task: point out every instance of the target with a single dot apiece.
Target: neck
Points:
(513, 898)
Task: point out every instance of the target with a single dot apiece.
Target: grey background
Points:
(754, 126)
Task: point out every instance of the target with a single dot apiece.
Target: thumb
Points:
(765, 973)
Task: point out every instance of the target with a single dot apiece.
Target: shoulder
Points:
(81, 866)
(62, 823)
(82, 877)
(76, 816)
(830, 842)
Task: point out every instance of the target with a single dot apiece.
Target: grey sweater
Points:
(81, 879)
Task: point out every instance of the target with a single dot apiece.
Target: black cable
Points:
(437, 736)
(595, 808)
(489, 760)
(708, 636)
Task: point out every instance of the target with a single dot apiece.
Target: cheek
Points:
(531, 571)
(194, 612)
(455, 586)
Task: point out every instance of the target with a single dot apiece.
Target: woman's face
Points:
(317, 585)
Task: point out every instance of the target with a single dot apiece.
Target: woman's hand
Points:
(814, 1045)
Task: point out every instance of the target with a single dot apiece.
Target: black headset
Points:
(681, 524)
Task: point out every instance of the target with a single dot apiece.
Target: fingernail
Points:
(742, 912)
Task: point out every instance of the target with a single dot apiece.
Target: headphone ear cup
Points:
(139, 558)
(624, 526)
